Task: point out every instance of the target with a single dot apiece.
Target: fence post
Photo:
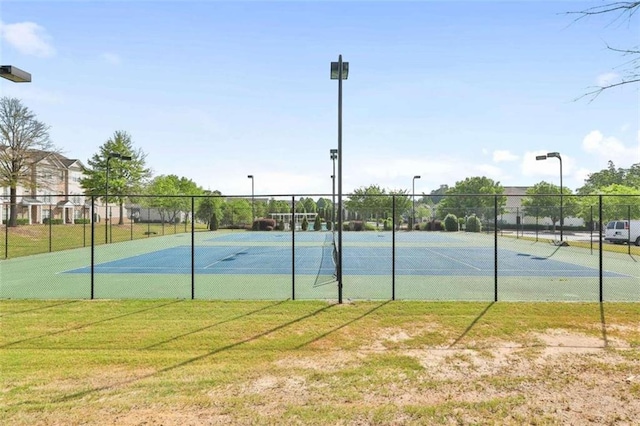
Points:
(193, 251)
(629, 230)
(495, 248)
(93, 241)
(6, 232)
(292, 224)
(50, 227)
(84, 223)
(591, 226)
(393, 248)
(600, 245)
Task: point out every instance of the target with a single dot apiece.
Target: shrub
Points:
(434, 225)
(369, 227)
(81, 221)
(264, 225)
(346, 226)
(451, 223)
(317, 224)
(46, 221)
(473, 224)
(329, 226)
(305, 224)
(388, 225)
(280, 226)
(18, 222)
(356, 225)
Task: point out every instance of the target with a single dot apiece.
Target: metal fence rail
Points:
(206, 247)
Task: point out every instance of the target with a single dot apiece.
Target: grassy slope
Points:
(271, 362)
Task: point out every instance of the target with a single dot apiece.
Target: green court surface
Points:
(279, 265)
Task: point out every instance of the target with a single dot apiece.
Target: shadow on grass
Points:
(333, 330)
(473, 323)
(604, 326)
(237, 317)
(68, 302)
(82, 394)
(79, 327)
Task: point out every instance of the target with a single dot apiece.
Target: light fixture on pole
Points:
(106, 192)
(413, 197)
(339, 71)
(253, 209)
(556, 155)
(334, 156)
(14, 74)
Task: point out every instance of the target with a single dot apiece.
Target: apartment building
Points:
(52, 190)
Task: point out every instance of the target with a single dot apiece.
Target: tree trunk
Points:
(13, 208)
(121, 221)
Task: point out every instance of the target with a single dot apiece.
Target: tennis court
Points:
(280, 265)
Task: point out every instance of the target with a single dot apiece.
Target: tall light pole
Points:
(556, 155)
(413, 197)
(339, 71)
(106, 192)
(253, 208)
(334, 156)
(14, 74)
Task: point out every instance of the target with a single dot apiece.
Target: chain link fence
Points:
(470, 247)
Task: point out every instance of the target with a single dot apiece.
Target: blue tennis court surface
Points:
(448, 261)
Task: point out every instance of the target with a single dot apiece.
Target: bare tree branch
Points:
(623, 10)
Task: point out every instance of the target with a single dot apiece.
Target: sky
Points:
(215, 91)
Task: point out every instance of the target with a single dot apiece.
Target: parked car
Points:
(623, 231)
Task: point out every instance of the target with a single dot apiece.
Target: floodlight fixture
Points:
(14, 74)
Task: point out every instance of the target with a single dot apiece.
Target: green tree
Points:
(171, 195)
(543, 200)
(618, 202)
(473, 196)
(236, 211)
(22, 137)
(611, 176)
(209, 209)
(125, 176)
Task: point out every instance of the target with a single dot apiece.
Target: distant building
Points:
(514, 211)
(52, 190)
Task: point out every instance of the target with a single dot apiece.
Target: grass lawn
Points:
(26, 240)
(283, 362)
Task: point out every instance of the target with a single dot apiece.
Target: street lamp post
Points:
(334, 156)
(339, 71)
(107, 218)
(253, 208)
(14, 74)
(413, 197)
(556, 155)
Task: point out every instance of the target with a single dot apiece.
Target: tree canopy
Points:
(472, 196)
(23, 141)
(543, 200)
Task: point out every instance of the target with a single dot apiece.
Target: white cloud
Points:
(608, 78)
(27, 38)
(611, 148)
(111, 58)
(503, 155)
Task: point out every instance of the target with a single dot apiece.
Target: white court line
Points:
(454, 259)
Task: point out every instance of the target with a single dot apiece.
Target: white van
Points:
(623, 231)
